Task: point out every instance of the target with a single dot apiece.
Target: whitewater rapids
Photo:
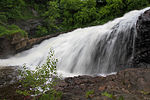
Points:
(93, 50)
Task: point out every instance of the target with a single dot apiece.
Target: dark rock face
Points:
(10, 46)
(142, 42)
(5, 48)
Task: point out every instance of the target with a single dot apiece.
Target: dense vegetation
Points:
(62, 15)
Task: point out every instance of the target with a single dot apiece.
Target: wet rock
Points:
(142, 42)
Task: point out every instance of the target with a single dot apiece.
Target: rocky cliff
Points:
(142, 42)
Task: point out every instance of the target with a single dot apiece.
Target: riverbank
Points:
(131, 84)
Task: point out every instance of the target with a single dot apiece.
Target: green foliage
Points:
(9, 30)
(12, 8)
(65, 15)
(51, 16)
(145, 92)
(3, 18)
(137, 4)
(41, 31)
(85, 16)
(107, 95)
(112, 96)
(40, 80)
(54, 95)
(89, 93)
(78, 12)
(71, 5)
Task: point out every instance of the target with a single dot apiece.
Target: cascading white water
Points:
(93, 50)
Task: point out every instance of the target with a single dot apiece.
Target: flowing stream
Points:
(93, 50)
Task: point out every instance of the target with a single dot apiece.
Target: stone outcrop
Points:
(142, 42)
(17, 43)
(11, 45)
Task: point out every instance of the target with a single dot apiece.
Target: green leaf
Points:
(107, 95)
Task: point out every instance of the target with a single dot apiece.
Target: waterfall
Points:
(92, 50)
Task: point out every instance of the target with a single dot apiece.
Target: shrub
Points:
(51, 16)
(40, 80)
(137, 4)
(41, 31)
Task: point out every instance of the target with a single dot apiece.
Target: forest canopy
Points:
(64, 15)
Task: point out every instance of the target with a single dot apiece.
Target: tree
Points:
(51, 16)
